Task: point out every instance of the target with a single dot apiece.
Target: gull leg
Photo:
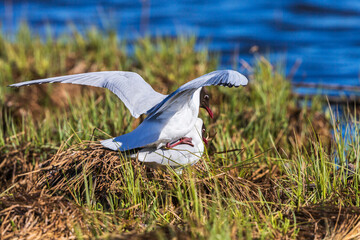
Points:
(184, 140)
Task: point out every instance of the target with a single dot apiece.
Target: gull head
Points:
(205, 101)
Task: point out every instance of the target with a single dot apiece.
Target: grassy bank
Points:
(269, 171)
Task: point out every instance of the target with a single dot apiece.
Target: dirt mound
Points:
(166, 232)
(90, 165)
(88, 174)
(38, 216)
(328, 222)
(16, 162)
(71, 170)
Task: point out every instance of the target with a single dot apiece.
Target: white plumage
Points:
(176, 157)
(169, 117)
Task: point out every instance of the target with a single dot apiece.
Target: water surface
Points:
(324, 36)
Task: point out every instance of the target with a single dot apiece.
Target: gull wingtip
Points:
(242, 79)
(13, 85)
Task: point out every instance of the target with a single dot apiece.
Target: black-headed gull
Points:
(179, 156)
(169, 117)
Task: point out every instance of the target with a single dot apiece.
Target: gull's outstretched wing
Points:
(137, 95)
(177, 99)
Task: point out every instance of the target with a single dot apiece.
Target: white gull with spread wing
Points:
(169, 117)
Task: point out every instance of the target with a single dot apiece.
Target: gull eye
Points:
(206, 97)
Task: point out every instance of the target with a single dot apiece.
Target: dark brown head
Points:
(205, 101)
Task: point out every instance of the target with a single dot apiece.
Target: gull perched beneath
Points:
(169, 117)
(179, 156)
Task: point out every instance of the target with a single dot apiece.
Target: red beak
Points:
(205, 141)
(209, 111)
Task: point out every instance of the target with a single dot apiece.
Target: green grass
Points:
(283, 159)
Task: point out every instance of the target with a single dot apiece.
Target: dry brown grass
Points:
(16, 162)
(34, 209)
(38, 216)
(64, 174)
(328, 222)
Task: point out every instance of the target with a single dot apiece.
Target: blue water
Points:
(324, 36)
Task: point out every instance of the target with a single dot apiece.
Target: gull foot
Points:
(184, 140)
